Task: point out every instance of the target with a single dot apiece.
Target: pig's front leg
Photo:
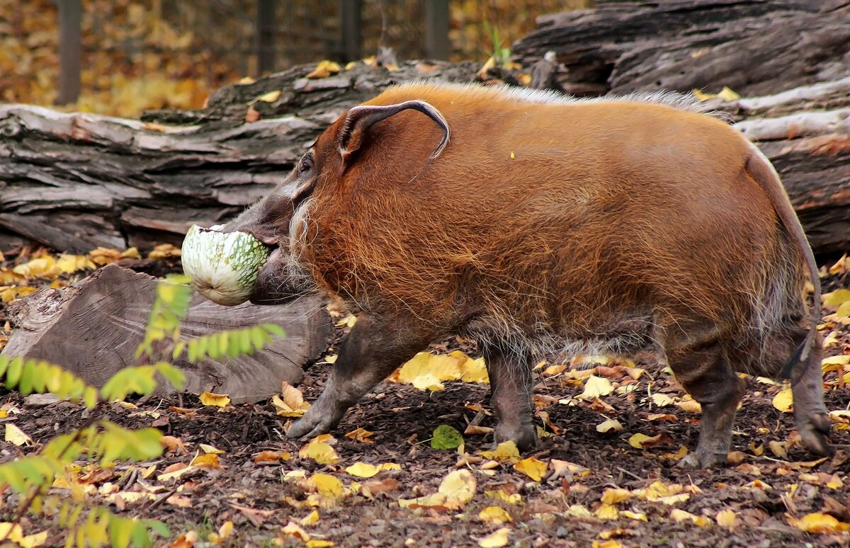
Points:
(510, 387)
(373, 350)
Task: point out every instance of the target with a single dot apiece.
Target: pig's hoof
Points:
(813, 432)
(697, 460)
(524, 438)
(305, 428)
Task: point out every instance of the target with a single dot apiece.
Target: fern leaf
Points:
(273, 329)
(172, 374)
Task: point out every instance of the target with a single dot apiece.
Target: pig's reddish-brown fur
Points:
(547, 225)
(571, 219)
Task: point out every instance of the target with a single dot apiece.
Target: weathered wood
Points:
(76, 181)
(93, 328)
(756, 47)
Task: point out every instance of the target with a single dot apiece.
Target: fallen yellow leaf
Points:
(596, 387)
(836, 298)
(578, 511)
(458, 487)
(69, 264)
(680, 516)
(689, 405)
(614, 496)
(835, 361)
(784, 401)
(662, 400)
(495, 514)
(163, 251)
(310, 519)
(726, 519)
(324, 69)
(504, 496)
(637, 440)
(634, 515)
(610, 543)
(471, 370)
(218, 400)
(361, 435)
(271, 456)
(292, 404)
(425, 370)
(505, 452)
(660, 492)
(16, 435)
(606, 511)
(611, 425)
(364, 470)
(819, 523)
(531, 467)
(320, 451)
(294, 530)
(207, 460)
(726, 94)
(206, 448)
(496, 539)
(42, 267)
(269, 97)
(175, 472)
(326, 485)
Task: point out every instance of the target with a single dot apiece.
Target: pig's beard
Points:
(285, 276)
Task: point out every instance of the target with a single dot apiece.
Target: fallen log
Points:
(77, 181)
(93, 328)
(756, 47)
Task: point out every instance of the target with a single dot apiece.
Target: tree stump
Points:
(93, 328)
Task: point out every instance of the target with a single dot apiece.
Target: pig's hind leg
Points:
(806, 381)
(372, 351)
(700, 362)
(510, 394)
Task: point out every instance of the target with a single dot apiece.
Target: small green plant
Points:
(501, 56)
(103, 442)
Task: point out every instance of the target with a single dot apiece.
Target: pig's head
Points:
(285, 219)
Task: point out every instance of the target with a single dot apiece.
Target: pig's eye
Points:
(305, 165)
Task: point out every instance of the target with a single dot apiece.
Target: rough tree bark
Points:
(76, 181)
(93, 328)
(756, 47)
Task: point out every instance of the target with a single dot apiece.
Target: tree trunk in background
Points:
(77, 181)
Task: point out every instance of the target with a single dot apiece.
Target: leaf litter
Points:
(377, 480)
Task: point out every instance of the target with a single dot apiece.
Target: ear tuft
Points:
(359, 119)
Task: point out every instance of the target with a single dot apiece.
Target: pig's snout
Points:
(276, 281)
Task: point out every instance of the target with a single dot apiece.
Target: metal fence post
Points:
(266, 36)
(437, 31)
(70, 50)
(350, 24)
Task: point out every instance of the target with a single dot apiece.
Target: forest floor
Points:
(597, 488)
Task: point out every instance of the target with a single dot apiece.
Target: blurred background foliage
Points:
(150, 54)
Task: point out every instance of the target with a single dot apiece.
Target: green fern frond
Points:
(169, 309)
(34, 471)
(37, 376)
(233, 343)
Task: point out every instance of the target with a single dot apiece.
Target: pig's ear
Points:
(360, 119)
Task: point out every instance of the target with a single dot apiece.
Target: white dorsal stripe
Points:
(672, 99)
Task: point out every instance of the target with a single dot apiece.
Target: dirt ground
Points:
(765, 492)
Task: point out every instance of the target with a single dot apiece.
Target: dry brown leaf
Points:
(361, 435)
